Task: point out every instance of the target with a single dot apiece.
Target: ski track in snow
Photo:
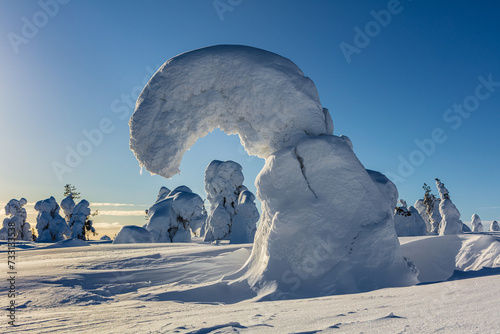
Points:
(108, 288)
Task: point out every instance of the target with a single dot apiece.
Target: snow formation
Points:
(326, 227)
(105, 238)
(450, 216)
(224, 185)
(16, 220)
(263, 97)
(477, 226)
(494, 226)
(408, 222)
(245, 222)
(50, 225)
(434, 219)
(133, 234)
(173, 215)
(77, 217)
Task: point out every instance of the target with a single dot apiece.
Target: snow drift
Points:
(133, 234)
(326, 226)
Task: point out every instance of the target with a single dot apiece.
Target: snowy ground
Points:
(166, 288)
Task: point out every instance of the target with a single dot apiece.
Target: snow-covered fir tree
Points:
(78, 217)
(17, 220)
(407, 221)
(494, 226)
(50, 225)
(450, 216)
(477, 225)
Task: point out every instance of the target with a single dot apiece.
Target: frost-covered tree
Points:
(174, 214)
(50, 225)
(450, 216)
(494, 226)
(224, 184)
(428, 207)
(407, 221)
(245, 222)
(477, 225)
(78, 217)
(16, 220)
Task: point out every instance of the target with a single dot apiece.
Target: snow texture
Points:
(477, 225)
(386, 187)
(494, 226)
(450, 216)
(50, 225)
(326, 227)
(172, 216)
(224, 185)
(133, 234)
(408, 222)
(263, 97)
(245, 221)
(105, 238)
(17, 221)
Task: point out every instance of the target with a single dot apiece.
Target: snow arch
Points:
(327, 225)
(261, 96)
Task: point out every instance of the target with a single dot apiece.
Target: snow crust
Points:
(172, 216)
(133, 234)
(261, 96)
(50, 225)
(16, 220)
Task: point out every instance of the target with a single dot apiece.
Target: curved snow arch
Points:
(259, 95)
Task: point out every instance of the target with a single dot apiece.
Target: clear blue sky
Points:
(85, 59)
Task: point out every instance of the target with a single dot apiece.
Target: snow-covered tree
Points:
(477, 225)
(17, 220)
(224, 184)
(428, 207)
(450, 216)
(70, 190)
(174, 214)
(245, 222)
(494, 226)
(78, 217)
(407, 221)
(50, 225)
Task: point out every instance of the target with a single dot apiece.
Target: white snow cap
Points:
(477, 225)
(263, 97)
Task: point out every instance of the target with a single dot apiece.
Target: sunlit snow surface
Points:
(172, 288)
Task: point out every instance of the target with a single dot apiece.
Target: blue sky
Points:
(78, 66)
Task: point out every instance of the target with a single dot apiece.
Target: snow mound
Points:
(133, 234)
(69, 243)
(477, 225)
(261, 96)
(105, 238)
(438, 257)
(494, 226)
(408, 221)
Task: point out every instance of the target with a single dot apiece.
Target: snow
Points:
(313, 241)
(168, 288)
(172, 216)
(450, 216)
(494, 226)
(16, 221)
(224, 185)
(320, 207)
(245, 222)
(105, 238)
(50, 225)
(477, 226)
(263, 97)
(408, 222)
(133, 234)
(77, 217)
